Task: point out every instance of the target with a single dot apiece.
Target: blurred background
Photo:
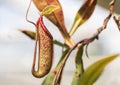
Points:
(16, 49)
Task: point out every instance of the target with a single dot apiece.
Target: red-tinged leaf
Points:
(83, 14)
(41, 4)
(45, 51)
(56, 17)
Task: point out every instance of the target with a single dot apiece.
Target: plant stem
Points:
(85, 41)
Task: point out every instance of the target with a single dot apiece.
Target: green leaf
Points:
(51, 76)
(79, 66)
(49, 9)
(49, 79)
(83, 14)
(93, 72)
(29, 33)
